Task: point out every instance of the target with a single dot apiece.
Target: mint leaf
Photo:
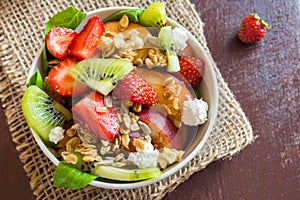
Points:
(68, 18)
(36, 79)
(68, 177)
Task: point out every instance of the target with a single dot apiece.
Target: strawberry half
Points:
(191, 70)
(91, 113)
(252, 29)
(136, 89)
(58, 41)
(62, 82)
(85, 43)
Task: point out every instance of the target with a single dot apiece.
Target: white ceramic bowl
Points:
(208, 90)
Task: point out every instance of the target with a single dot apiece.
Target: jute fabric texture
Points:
(21, 35)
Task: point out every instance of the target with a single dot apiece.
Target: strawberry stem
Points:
(265, 24)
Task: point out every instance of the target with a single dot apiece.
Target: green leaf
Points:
(68, 18)
(132, 14)
(68, 177)
(36, 79)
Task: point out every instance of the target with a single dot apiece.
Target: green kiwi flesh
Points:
(154, 15)
(166, 38)
(101, 74)
(43, 113)
(115, 173)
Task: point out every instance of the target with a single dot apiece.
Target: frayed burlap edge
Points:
(20, 40)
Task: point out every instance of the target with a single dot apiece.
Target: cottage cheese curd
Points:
(146, 157)
(180, 38)
(194, 112)
(56, 134)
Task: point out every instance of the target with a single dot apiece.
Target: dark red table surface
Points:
(264, 77)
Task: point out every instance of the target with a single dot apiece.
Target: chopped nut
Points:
(137, 107)
(125, 140)
(177, 123)
(169, 156)
(162, 161)
(149, 63)
(138, 62)
(139, 144)
(110, 33)
(123, 23)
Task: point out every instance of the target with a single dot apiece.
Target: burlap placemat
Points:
(21, 35)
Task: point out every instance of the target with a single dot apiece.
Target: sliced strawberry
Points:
(85, 43)
(192, 70)
(91, 113)
(58, 41)
(62, 82)
(136, 89)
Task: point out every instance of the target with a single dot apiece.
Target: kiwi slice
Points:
(115, 173)
(122, 174)
(166, 38)
(43, 113)
(154, 15)
(101, 74)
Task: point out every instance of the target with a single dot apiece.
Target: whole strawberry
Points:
(192, 70)
(252, 29)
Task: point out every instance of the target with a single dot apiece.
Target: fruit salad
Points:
(115, 100)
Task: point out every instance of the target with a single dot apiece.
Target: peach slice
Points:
(113, 27)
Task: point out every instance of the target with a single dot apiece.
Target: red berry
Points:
(85, 43)
(58, 41)
(62, 82)
(252, 29)
(136, 89)
(191, 70)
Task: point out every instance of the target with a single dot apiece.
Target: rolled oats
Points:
(118, 164)
(72, 144)
(104, 150)
(101, 109)
(145, 128)
(69, 157)
(119, 157)
(89, 152)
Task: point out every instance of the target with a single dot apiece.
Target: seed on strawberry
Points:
(253, 29)
(191, 70)
(136, 89)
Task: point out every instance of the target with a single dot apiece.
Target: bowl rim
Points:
(178, 166)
